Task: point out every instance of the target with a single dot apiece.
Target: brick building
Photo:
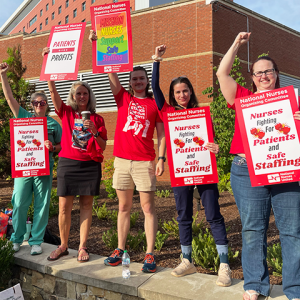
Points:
(197, 33)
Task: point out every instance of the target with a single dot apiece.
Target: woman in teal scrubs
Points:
(40, 186)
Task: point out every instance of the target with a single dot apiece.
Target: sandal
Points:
(58, 253)
(86, 251)
(250, 294)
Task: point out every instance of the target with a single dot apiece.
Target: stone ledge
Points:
(158, 286)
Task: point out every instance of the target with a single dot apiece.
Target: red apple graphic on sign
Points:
(286, 129)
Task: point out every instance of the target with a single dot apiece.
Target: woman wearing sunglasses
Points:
(255, 203)
(39, 186)
(182, 96)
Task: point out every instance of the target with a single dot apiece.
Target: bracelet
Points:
(161, 157)
(156, 58)
(53, 149)
(96, 134)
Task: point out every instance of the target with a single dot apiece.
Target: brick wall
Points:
(196, 37)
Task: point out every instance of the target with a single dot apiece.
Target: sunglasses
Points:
(41, 103)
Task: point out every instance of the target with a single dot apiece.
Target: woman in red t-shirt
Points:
(255, 203)
(79, 168)
(182, 96)
(134, 158)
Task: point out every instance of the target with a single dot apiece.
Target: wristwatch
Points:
(54, 148)
(162, 157)
(96, 134)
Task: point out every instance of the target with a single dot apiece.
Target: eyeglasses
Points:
(180, 77)
(266, 72)
(41, 103)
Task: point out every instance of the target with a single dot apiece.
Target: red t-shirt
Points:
(135, 127)
(76, 143)
(237, 144)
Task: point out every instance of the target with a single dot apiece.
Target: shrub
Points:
(110, 238)
(136, 242)
(100, 211)
(204, 251)
(6, 259)
(108, 178)
(274, 259)
(197, 228)
(223, 120)
(163, 193)
(160, 240)
(171, 228)
(54, 203)
(133, 218)
(113, 216)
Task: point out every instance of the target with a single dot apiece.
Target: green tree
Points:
(223, 120)
(21, 90)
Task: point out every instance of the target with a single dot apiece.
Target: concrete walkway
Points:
(159, 286)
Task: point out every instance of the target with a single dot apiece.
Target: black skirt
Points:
(76, 177)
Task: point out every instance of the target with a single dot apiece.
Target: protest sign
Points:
(270, 136)
(187, 132)
(29, 156)
(112, 52)
(13, 293)
(65, 43)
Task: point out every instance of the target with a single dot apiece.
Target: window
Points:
(33, 20)
(24, 29)
(93, 1)
(83, 21)
(67, 19)
(59, 23)
(46, 21)
(33, 31)
(59, 10)
(75, 13)
(41, 12)
(47, 6)
(83, 6)
(67, 3)
(41, 26)
(53, 2)
(53, 15)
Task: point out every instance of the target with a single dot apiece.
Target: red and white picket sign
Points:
(29, 157)
(270, 136)
(187, 132)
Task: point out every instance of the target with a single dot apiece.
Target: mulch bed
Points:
(169, 256)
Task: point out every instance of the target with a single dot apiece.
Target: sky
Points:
(285, 12)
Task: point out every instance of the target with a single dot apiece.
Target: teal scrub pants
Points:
(24, 187)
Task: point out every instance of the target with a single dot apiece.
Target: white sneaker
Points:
(224, 275)
(185, 268)
(16, 247)
(36, 249)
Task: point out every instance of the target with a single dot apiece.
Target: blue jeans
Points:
(209, 194)
(254, 205)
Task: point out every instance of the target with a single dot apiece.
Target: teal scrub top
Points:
(54, 129)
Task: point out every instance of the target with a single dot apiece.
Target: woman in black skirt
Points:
(79, 168)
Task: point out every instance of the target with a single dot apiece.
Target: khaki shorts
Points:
(130, 173)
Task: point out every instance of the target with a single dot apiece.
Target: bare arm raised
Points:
(227, 83)
(52, 89)
(114, 82)
(12, 102)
